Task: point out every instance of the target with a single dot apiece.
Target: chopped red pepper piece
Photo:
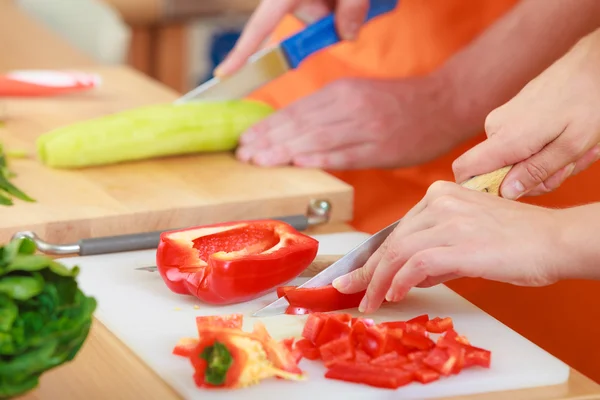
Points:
(421, 319)
(233, 262)
(477, 356)
(372, 375)
(312, 327)
(439, 325)
(185, 346)
(426, 375)
(277, 353)
(416, 341)
(392, 360)
(441, 360)
(366, 321)
(336, 350)
(308, 349)
(332, 329)
(361, 357)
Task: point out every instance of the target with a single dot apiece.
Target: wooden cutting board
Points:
(149, 195)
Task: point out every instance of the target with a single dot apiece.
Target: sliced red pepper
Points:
(332, 329)
(322, 299)
(372, 375)
(393, 342)
(281, 290)
(308, 349)
(185, 346)
(336, 350)
(233, 262)
(233, 321)
(393, 325)
(439, 325)
(418, 355)
(312, 327)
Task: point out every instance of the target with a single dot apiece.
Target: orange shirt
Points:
(415, 39)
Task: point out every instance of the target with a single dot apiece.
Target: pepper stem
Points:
(219, 361)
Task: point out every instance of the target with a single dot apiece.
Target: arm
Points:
(518, 47)
(582, 240)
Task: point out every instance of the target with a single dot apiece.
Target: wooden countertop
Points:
(105, 368)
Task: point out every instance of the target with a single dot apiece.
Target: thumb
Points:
(539, 168)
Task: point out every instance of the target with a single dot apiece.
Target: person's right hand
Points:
(349, 16)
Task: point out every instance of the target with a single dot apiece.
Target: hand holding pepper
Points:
(456, 232)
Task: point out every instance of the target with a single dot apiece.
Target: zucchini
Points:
(151, 131)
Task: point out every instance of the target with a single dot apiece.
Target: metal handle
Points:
(319, 212)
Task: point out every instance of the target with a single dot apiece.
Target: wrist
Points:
(580, 242)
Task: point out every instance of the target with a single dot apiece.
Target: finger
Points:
(304, 115)
(504, 146)
(349, 16)
(553, 182)
(345, 158)
(526, 175)
(587, 160)
(311, 11)
(427, 264)
(260, 25)
(358, 280)
(399, 251)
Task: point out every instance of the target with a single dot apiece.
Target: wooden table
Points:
(105, 368)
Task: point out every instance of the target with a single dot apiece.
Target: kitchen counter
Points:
(105, 368)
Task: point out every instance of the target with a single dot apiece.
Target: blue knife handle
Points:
(323, 33)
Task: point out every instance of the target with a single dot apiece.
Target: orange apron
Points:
(415, 39)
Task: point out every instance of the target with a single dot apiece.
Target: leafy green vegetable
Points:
(152, 131)
(6, 187)
(44, 317)
(219, 360)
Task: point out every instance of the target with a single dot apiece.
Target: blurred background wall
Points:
(177, 42)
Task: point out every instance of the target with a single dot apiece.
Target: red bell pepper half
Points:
(233, 262)
(389, 354)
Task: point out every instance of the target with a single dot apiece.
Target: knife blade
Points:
(356, 258)
(272, 62)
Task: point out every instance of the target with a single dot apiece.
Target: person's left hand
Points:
(457, 232)
(549, 131)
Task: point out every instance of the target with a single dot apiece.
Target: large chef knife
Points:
(356, 258)
(272, 62)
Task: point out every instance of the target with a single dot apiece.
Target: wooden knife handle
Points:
(489, 183)
(318, 265)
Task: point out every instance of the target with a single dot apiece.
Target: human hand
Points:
(358, 123)
(349, 16)
(457, 232)
(550, 130)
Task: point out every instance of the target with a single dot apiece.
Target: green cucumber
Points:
(148, 132)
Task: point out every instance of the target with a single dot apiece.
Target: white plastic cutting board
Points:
(139, 309)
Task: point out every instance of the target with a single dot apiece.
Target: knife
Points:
(270, 63)
(356, 258)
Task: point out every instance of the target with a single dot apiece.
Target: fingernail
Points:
(390, 296)
(513, 190)
(341, 283)
(569, 170)
(363, 304)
